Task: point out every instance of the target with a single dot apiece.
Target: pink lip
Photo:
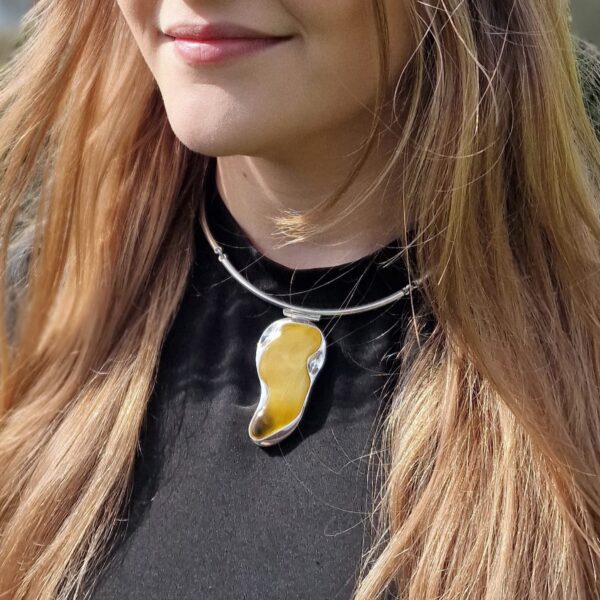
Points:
(207, 43)
(210, 51)
(215, 31)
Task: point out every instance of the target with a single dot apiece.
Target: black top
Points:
(212, 514)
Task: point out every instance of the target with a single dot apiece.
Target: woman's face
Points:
(288, 96)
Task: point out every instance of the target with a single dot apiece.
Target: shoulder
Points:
(588, 64)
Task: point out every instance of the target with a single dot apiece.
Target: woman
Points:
(452, 139)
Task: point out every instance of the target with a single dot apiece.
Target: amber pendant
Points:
(289, 356)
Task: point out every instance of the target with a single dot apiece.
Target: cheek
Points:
(402, 37)
(340, 51)
(132, 12)
(140, 16)
(342, 46)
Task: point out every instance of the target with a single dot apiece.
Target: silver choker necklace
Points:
(289, 354)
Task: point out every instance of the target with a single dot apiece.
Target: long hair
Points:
(489, 452)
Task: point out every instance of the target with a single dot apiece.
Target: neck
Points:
(256, 189)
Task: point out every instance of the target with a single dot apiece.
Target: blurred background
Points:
(10, 13)
(586, 21)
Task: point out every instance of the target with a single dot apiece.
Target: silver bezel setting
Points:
(314, 364)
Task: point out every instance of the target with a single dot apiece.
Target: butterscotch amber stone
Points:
(284, 370)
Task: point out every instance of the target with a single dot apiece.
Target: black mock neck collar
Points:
(351, 283)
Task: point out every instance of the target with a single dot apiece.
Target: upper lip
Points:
(214, 31)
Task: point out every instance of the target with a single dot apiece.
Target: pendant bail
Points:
(296, 313)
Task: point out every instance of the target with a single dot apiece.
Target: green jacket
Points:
(588, 63)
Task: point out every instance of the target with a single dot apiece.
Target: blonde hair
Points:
(490, 448)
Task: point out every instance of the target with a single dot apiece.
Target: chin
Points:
(209, 143)
(221, 136)
(208, 120)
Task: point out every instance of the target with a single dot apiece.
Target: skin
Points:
(286, 122)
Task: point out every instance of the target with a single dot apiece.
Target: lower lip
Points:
(207, 52)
